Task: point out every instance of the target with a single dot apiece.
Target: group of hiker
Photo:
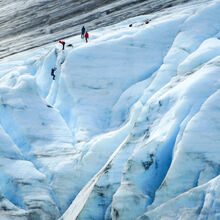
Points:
(84, 35)
(146, 22)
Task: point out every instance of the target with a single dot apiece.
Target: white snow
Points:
(129, 129)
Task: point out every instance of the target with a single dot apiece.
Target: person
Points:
(63, 43)
(52, 72)
(86, 36)
(70, 45)
(83, 32)
(147, 21)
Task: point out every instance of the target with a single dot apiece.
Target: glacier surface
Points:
(129, 129)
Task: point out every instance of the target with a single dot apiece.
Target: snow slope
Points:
(129, 129)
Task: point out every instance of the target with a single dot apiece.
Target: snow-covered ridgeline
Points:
(133, 116)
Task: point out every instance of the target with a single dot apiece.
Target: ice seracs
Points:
(127, 130)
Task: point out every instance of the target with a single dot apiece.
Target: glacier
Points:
(129, 129)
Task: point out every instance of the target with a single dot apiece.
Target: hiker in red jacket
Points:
(63, 43)
(86, 36)
(83, 32)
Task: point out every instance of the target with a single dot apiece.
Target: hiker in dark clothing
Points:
(63, 43)
(52, 72)
(83, 32)
(70, 45)
(86, 36)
